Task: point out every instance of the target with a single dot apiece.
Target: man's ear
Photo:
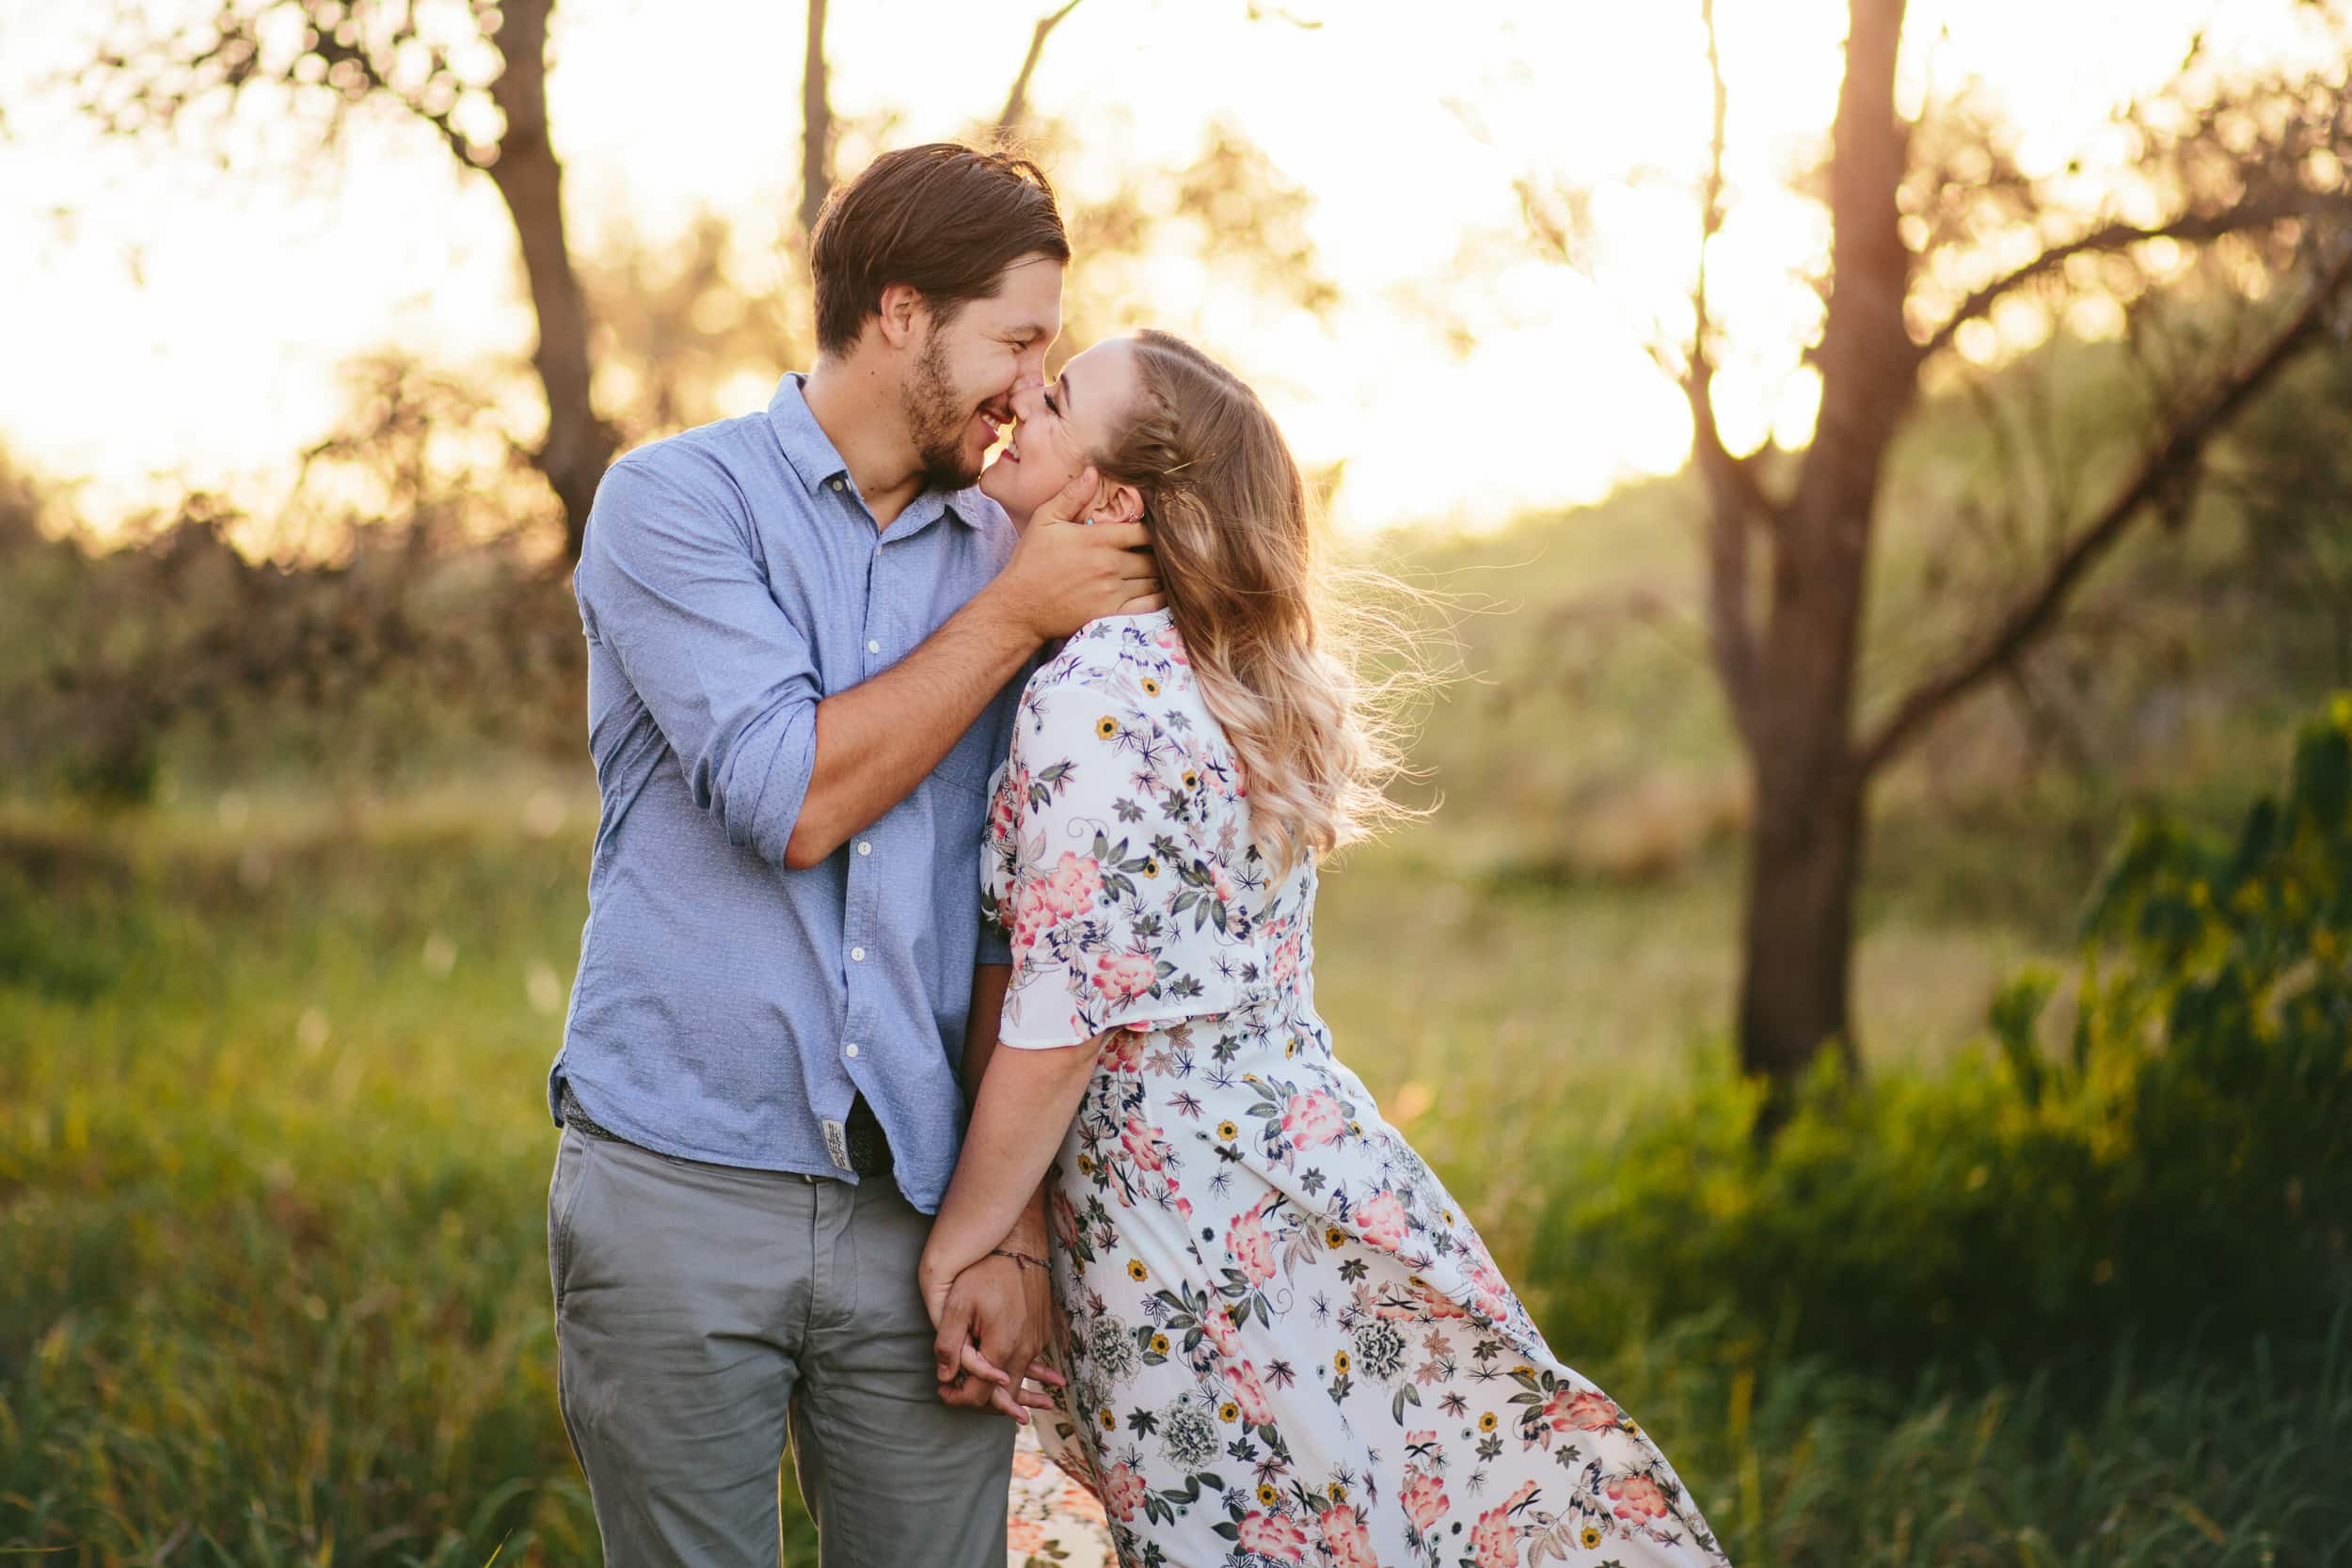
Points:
(1124, 504)
(904, 314)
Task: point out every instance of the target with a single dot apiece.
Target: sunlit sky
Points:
(166, 322)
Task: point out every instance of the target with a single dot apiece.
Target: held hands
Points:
(993, 1314)
(1065, 572)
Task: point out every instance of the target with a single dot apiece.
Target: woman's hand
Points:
(993, 1201)
(993, 1314)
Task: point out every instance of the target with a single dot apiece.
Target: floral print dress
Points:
(1284, 1342)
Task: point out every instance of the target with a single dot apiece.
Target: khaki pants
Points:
(703, 1311)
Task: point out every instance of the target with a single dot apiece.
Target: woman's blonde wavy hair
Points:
(1273, 631)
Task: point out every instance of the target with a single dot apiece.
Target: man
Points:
(803, 628)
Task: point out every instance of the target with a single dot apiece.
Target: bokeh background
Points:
(1877, 483)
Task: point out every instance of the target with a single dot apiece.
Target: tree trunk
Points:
(816, 124)
(1806, 852)
(579, 444)
(1805, 861)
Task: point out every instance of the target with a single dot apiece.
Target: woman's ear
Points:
(1124, 504)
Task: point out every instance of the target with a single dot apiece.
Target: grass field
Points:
(273, 1143)
(273, 1152)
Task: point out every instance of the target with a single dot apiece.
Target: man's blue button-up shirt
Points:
(727, 1010)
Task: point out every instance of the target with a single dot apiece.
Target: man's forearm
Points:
(876, 740)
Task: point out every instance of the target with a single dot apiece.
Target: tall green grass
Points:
(273, 1152)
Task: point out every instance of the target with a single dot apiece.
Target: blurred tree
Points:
(1014, 114)
(1937, 230)
(473, 70)
(392, 603)
(817, 131)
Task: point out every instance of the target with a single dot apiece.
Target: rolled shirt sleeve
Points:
(669, 582)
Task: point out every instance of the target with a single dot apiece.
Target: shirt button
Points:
(849, 1049)
(837, 486)
(872, 646)
(864, 847)
(857, 955)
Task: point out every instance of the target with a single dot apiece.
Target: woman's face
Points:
(1062, 426)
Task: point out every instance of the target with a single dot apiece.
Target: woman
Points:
(1284, 1342)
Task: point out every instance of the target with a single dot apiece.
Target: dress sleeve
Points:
(1118, 918)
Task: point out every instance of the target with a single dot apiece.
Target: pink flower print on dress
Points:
(1003, 814)
(1029, 918)
(1248, 1393)
(1221, 1330)
(1125, 977)
(1285, 961)
(1140, 1146)
(1382, 1221)
(1123, 1492)
(1489, 1294)
(1169, 644)
(1638, 1499)
(1220, 884)
(1345, 1538)
(1075, 883)
(1423, 1498)
(1271, 1535)
(1122, 1053)
(1496, 1540)
(1247, 1240)
(1582, 1410)
(1313, 1119)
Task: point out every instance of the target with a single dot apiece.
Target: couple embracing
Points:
(943, 1061)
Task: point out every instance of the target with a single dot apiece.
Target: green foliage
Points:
(181, 654)
(272, 1149)
(2177, 1177)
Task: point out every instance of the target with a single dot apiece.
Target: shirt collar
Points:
(814, 459)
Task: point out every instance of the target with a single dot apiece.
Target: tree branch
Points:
(2032, 615)
(2257, 212)
(1737, 500)
(165, 75)
(1017, 101)
(816, 124)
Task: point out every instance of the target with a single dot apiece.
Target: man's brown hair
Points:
(943, 218)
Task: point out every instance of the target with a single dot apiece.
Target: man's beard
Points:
(936, 418)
